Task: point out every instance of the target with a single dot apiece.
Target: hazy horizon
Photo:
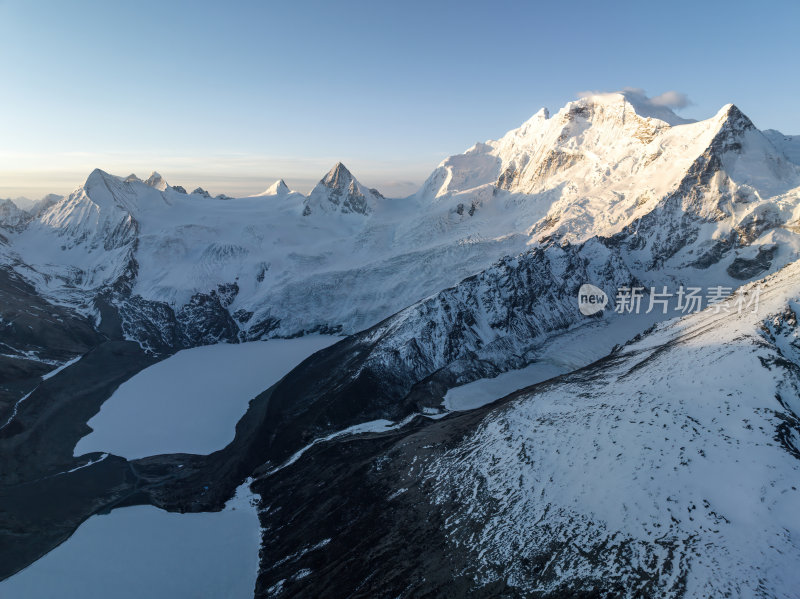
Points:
(237, 178)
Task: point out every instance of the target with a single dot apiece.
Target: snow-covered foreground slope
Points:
(673, 466)
(670, 468)
(191, 402)
(142, 551)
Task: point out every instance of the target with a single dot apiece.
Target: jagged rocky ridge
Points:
(489, 323)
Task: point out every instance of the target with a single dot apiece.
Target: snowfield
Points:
(191, 402)
(670, 468)
(142, 551)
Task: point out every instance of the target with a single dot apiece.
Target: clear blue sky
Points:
(234, 94)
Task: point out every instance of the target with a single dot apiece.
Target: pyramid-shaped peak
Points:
(339, 191)
(157, 181)
(339, 167)
(338, 177)
(730, 116)
(277, 189)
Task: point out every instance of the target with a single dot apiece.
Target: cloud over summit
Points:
(671, 99)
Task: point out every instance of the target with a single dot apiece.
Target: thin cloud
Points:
(671, 99)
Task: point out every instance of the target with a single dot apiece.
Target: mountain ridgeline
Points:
(186, 269)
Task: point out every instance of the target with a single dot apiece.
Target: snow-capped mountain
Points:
(279, 189)
(154, 180)
(713, 196)
(38, 208)
(14, 217)
(84, 242)
(340, 192)
(598, 167)
(11, 216)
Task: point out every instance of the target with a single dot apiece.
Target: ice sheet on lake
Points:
(573, 349)
(142, 551)
(191, 402)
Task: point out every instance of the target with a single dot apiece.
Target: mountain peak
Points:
(340, 191)
(157, 181)
(338, 177)
(96, 177)
(734, 119)
(98, 173)
(634, 99)
(12, 215)
(279, 188)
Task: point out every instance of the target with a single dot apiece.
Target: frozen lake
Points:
(142, 551)
(572, 349)
(191, 402)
